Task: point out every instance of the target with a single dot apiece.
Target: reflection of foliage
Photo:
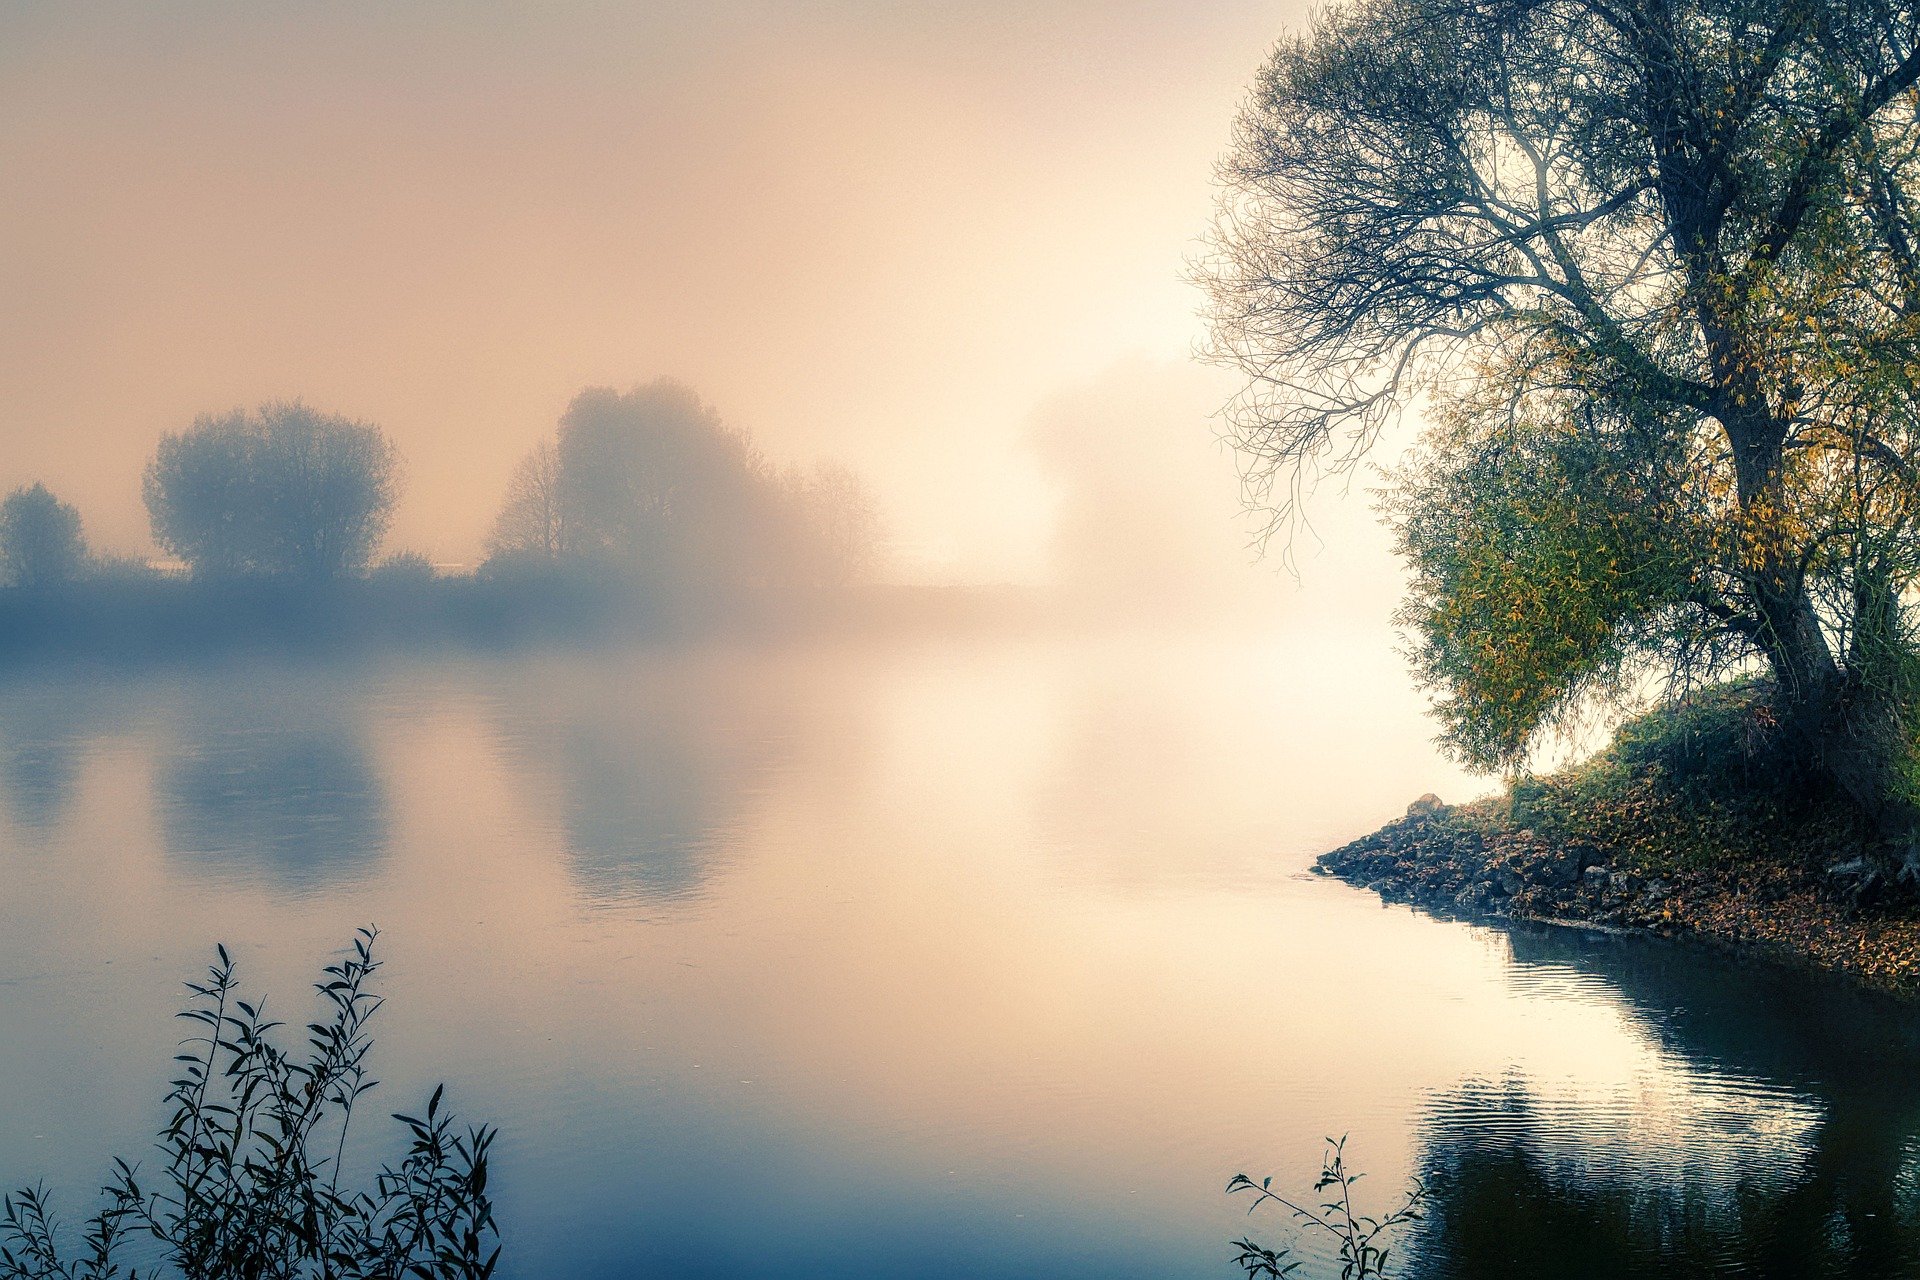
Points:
(302, 801)
(250, 1187)
(44, 731)
(642, 808)
(652, 761)
(1352, 1233)
(1511, 1197)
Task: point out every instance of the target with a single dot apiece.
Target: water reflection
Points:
(40, 757)
(272, 787)
(1791, 1154)
(968, 961)
(649, 765)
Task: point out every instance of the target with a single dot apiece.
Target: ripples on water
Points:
(921, 960)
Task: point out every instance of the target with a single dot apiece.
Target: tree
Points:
(652, 479)
(1653, 263)
(838, 522)
(651, 484)
(40, 540)
(532, 523)
(286, 490)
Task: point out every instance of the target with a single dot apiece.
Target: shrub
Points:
(1355, 1235)
(249, 1183)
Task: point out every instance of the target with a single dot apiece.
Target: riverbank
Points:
(1686, 826)
(166, 619)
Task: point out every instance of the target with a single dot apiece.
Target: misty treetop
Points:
(652, 483)
(40, 540)
(1652, 266)
(283, 490)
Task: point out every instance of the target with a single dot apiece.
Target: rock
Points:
(1560, 869)
(1623, 882)
(1507, 878)
(1475, 897)
(1426, 806)
(1597, 878)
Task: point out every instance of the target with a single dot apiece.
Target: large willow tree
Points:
(1649, 267)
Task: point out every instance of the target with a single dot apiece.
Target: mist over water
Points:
(936, 909)
(909, 957)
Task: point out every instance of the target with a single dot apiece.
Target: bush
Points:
(406, 568)
(1355, 1236)
(249, 1184)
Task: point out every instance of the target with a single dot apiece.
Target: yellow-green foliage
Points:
(1543, 560)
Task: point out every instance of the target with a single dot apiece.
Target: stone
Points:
(1560, 869)
(1426, 806)
(1598, 878)
(1475, 897)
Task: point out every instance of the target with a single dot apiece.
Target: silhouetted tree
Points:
(286, 490)
(839, 522)
(532, 523)
(654, 480)
(651, 484)
(40, 539)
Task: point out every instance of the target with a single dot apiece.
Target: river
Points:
(915, 959)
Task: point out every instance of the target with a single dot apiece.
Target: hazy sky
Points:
(887, 232)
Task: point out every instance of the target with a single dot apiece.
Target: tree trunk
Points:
(1848, 728)
(1850, 731)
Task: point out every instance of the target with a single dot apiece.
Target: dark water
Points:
(927, 960)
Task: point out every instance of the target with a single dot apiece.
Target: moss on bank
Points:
(1691, 822)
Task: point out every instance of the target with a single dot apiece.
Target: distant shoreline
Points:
(170, 619)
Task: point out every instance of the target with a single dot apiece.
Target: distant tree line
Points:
(646, 491)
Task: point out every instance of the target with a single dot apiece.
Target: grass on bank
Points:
(1703, 786)
(1721, 836)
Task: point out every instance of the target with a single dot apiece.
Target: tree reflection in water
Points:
(291, 800)
(1526, 1185)
(651, 761)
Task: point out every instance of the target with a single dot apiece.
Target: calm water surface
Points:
(918, 960)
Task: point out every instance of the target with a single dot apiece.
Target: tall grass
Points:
(248, 1184)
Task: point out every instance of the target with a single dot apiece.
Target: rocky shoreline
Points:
(1463, 862)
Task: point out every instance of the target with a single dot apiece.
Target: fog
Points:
(889, 234)
(703, 520)
(1149, 522)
